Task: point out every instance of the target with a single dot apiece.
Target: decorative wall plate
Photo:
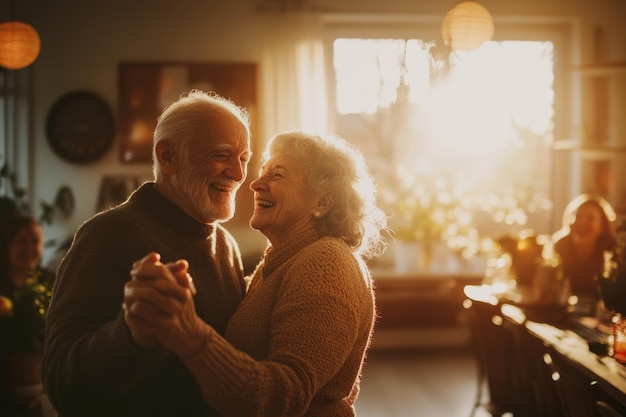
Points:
(80, 127)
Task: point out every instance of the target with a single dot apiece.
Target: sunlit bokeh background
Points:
(459, 142)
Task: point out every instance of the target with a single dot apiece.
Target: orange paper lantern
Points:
(19, 45)
(467, 26)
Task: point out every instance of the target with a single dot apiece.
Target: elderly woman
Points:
(586, 233)
(297, 342)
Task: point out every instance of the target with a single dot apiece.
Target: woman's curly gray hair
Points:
(336, 169)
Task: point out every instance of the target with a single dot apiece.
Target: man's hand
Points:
(159, 307)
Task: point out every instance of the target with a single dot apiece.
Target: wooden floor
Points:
(417, 382)
(423, 382)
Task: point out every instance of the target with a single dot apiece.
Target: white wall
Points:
(83, 41)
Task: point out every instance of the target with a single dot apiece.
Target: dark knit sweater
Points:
(92, 367)
(296, 344)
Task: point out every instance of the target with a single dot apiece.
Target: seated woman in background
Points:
(586, 233)
(21, 323)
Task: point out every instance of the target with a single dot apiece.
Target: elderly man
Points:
(92, 366)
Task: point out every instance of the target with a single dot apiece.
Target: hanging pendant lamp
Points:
(467, 26)
(19, 45)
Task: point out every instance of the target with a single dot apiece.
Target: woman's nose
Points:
(257, 184)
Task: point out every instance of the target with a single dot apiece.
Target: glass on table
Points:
(619, 338)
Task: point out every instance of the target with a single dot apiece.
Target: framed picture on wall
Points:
(146, 88)
(115, 189)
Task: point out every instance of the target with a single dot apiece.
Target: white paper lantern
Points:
(467, 26)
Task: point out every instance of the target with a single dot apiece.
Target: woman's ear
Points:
(165, 157)
(323, 205)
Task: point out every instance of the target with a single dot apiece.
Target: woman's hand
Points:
(159, 307)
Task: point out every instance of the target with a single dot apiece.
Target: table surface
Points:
(569, 335)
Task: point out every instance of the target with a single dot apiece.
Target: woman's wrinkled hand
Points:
(159, 308)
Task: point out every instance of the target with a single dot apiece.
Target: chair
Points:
(498, 363)
(542, 376)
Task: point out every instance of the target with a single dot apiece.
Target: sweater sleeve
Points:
(323, 309)
(89, 355)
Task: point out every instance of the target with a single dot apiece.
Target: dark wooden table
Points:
(543, 361)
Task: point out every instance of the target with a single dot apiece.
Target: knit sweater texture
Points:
(92, 367)
(297, 343)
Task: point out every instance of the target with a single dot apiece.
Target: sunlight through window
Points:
(459, 143)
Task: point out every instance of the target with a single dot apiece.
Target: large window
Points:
(459, 142)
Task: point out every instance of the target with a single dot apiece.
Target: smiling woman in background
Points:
(24, 294)
(297, 342)
(586, 233)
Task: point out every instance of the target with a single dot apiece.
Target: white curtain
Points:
(292, 75)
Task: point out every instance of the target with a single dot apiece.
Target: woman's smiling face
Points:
(587, 224)
(284, 203)
(26, 248)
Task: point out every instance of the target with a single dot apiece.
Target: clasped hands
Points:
(159, 308)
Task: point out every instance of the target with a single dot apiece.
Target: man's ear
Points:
(165, 157)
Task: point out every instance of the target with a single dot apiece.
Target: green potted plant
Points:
(21, 329)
